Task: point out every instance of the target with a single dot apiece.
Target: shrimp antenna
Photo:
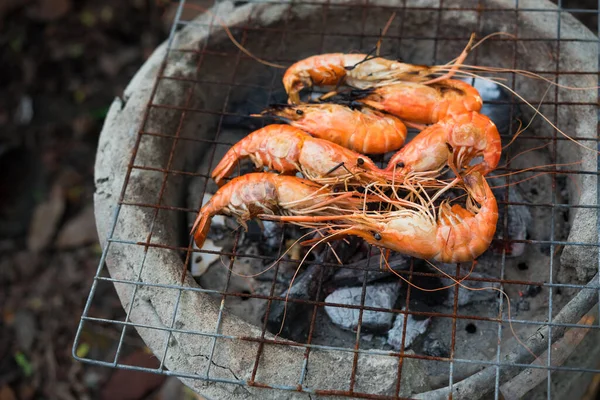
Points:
(537, 112)
(456, 64)
(377, 47)
(269, 112)
(279, 106)
(383, 32)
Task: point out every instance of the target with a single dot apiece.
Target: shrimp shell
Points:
(287, 149)
(458, 235)
(365, 131)
(423, 104)
(250, 195)
(455, 141)
(357, 70)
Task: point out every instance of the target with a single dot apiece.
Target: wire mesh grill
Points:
(362, 33)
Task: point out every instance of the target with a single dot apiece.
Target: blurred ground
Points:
(61, 64)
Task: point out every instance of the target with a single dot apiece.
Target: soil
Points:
(61, 64)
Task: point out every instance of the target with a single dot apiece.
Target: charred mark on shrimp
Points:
(332, 170)
(447, 89)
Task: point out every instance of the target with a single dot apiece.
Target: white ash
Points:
(414, 328)
(380, 296)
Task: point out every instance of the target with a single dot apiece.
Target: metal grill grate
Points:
(496, 370)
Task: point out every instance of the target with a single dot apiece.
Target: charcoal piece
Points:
(435, 348)
(519, 218)
(532, 290)
(523, 305)
(414, 328)
(271, 235)
(380, 296)
(354, 274)
(466, 296)
(297, 315)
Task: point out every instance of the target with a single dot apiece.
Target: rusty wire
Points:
(316, 304)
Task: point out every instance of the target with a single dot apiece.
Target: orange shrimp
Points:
(358, 70)
(365, 131)
(423, 104)
(362, 71)
(457, 234)
(454, 141)
(250, 195)
(287, 149)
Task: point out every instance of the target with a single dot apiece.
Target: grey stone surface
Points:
(378, 296)
(233, 359)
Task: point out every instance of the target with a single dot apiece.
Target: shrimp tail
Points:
(201, 228)
(225, 167)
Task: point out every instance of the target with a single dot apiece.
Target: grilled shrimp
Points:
(423, 104)
(365, 131)
(362, 71)
(358, 70)
(253, 194)
(287, 149)
(454, 141)
(458, 234)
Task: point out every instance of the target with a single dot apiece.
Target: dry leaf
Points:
(6, 393)
(132, 385)
(46, 217)
(79, 231)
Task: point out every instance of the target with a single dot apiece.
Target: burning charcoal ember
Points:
(354, 274)
(380, 296)
(435, 347)
(519, 218)
(466, 296)
(414, 328)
